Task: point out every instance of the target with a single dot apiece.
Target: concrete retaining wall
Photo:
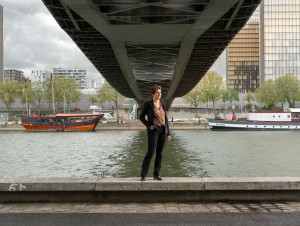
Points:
(128, 125)
(137, 125)
(11, 127)
(130, 190)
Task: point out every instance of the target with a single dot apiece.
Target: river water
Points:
(191, 153)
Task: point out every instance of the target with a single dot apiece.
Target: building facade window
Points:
(282, 38)
(80, 75)
(243, 58)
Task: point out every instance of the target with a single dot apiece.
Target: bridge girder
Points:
(137, 43)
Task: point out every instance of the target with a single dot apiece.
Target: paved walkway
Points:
(284, 207)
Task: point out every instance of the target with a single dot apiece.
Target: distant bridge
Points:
(136, 43)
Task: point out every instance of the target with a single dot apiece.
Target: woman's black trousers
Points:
(156, 142)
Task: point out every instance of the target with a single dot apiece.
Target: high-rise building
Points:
(96, 84)
(1, 43)
(79, 74)
(13, 74)
(243, 58)
(40, 75)
(280, 43)
(267, 47)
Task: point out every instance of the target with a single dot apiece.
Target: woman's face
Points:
(157, 95)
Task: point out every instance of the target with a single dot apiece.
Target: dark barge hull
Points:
(223, 125)
(61, 122)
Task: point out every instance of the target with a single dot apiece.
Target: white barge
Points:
(260, 120)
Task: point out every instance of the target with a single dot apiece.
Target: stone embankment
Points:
(131, 190)
(127, 125)
(137, 125)
(11, 127)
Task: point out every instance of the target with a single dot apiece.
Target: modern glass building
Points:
(1, 44)
(281, 42)
(267, 47)
(79, 74)
(243, 58)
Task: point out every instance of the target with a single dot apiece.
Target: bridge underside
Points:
(137, 43)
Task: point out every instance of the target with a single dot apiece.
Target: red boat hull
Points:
(90, 127)
(61, 122)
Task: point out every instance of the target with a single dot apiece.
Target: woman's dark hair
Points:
(154, 88)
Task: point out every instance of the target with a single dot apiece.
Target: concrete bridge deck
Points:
(131, 190)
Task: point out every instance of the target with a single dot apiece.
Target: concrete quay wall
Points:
(131, 190)
(128, 125)
(137, 125)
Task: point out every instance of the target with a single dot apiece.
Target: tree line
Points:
(66, 91)
(211, 88)
(286, 89)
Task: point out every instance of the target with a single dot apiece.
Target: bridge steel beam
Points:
(137, 43)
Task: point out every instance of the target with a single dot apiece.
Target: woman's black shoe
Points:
(157, 178)
(142, 178)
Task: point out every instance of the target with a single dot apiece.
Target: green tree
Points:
(29, 92)
(93, 99)
(10, 90)
(72, 92)
(48, 92)
(287, 88)
(194, 97)
(225, 98)
(38, 93)
(233, 95)
(66, 90)
(249, 97)
(266, 94)
(213, 87)
(108, 93)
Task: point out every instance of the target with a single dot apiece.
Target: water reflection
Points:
(177, 161)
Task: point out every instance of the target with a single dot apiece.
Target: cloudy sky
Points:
(34, 40)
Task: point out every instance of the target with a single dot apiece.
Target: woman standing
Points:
(157, 130)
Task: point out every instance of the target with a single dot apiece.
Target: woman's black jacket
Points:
(148, 110)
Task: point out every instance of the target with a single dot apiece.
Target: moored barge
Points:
(61, 122)
(259, 120)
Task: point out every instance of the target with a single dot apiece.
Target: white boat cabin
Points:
(293, 114)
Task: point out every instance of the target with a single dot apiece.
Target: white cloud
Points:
(34, 40)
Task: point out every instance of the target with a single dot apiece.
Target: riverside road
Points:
(143, 219)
